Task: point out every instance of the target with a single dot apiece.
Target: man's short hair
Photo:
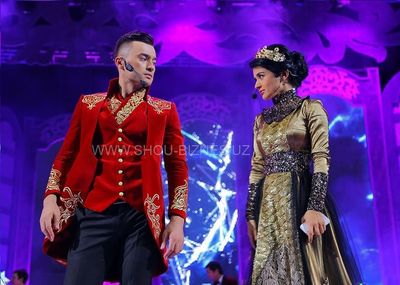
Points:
(213, 265)
(21, 274)
(135, 36)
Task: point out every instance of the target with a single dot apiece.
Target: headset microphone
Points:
(130, 68)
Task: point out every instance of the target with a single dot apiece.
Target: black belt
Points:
(286, 161)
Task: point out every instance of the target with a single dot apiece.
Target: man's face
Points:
(16, 281)
(212, 275)
(142, 57)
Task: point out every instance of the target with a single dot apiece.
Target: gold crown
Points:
(273, 55)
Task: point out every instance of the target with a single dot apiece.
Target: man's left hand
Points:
(173, 235)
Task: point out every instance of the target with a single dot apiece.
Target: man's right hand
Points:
(252, 232)
(50, 218)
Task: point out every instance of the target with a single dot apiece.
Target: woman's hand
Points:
(252, 232)
(315, 224)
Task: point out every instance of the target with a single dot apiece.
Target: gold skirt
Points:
(282, 255)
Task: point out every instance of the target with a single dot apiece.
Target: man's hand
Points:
(173, 235)
(50, 218)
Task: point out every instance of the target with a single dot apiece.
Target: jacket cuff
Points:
(319, 188)
(179, 213)
(53, 184)
(179, 200)
(50, 192)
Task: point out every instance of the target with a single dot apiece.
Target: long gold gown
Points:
(287, 137)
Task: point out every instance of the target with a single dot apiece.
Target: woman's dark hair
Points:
(294, 63)
(135, 36)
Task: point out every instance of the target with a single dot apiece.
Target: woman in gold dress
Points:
(286, 189)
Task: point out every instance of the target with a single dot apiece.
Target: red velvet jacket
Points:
(118, 143)
(75, 166)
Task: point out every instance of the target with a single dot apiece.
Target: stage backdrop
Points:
(217, 113)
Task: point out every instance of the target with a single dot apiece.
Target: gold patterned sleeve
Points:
(257, 161)
(256, 173)
(319, 133)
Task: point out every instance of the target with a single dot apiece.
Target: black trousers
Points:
(115, 244)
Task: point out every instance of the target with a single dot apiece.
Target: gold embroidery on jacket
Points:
(54, 180)
(151, 213)
(69, 204)
(92, 100)
(113, 104)
(130, 106)
(159, 105)
(180, 198)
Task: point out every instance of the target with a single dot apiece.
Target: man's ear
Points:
(119, 62)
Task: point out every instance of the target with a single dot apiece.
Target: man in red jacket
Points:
(103, 211)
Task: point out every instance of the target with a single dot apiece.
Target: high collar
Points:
(114, 88)
(285, 97)
(284, 104)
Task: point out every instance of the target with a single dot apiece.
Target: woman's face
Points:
(266, 82)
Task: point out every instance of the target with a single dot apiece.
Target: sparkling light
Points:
(213, 217)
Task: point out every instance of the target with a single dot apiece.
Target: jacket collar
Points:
(113, 87)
